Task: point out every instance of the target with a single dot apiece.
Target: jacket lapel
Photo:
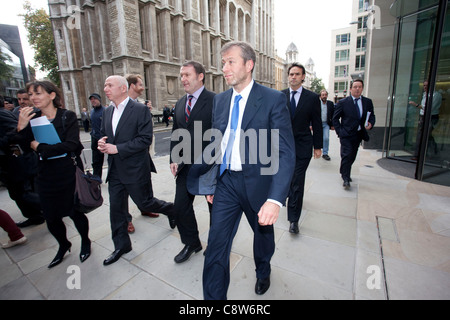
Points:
(222, 110)
(199, 105)
(181, 117)
(252, 106)
(125, 115)
(108, 121)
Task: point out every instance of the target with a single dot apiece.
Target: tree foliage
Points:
(40, 37)
(317, 85)
(6, 70)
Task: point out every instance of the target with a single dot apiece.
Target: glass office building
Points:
(418, 110)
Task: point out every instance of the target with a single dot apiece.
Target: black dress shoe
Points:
(186, 253)
(30, 222)
(172, 222)
(60, 255)
(293, 228)
(346, 185)
(85, 251)
(262, 285)
(115, 256)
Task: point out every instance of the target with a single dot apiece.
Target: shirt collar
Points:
(244, 93)
(299, 90)
(121, 105)
(197, 93)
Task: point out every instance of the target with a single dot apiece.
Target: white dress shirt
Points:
(118, 111)
(296, 96)
(235, 161)
(195, 95)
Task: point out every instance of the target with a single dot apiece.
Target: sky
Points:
(306, 23)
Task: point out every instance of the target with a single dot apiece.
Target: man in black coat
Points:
(193, 110)
(127, 132)
(304, 107)
(352, 118)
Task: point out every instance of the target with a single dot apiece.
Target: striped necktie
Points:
(189, 108)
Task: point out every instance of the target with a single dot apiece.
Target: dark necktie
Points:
(189, 108)
(233, 126)
(357, 108)
(293, 104)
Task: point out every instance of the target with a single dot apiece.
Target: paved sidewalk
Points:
(386, 238)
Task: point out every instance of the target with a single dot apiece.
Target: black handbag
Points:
(88, 192)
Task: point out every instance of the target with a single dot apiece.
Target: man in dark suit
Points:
(252, 121)
(353, 116)
(327, 108)
(127, 129)
(193, 110)
(304, 107)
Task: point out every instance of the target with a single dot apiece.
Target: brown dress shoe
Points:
(131, 228)
(150, 214)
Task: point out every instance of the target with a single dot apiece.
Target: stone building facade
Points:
(98, 38)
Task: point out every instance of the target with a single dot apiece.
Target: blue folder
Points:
(47, 134)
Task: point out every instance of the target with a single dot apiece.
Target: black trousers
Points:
(349, 151)
(230, 200)
(21, 189)
(297, 190)
(142, 194)
(184, 211)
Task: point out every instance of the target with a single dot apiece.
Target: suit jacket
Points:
(201, 113)
(330, 112)
(133, 138)
(346, 118)
(265, 109)
(308, 113)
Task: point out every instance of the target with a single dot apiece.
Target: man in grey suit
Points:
(127, 129)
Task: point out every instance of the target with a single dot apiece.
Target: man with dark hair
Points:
(245, 184)
(353, 117)
(24, 101)
(194, 109)
(327, 108)
(304, 107)
(136, 88)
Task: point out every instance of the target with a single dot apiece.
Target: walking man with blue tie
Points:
(353, 117)
(245, 184)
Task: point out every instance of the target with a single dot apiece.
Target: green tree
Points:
(317, 85)
(40, 37)
(6, 70)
